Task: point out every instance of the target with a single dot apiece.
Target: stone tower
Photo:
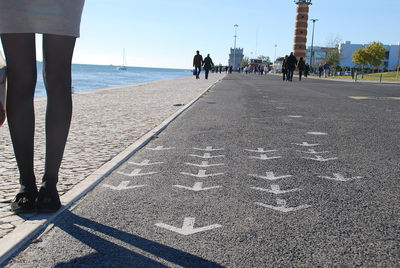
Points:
(300, 32)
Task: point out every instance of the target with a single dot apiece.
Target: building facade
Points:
(235, 58)
(319, 55)
(347, 50)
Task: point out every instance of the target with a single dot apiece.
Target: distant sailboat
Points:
(122, 67)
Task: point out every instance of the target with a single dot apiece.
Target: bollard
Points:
(380, 79)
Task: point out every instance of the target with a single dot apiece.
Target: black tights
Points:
(20, 53)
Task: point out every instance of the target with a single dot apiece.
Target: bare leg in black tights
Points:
(20, 53)
(21, 73)
(57, 78)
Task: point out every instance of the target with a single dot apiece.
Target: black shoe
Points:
(47, 201)
(24, 203)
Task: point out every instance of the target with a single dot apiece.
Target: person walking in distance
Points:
(301, 65)
(197, 63)
(207, 64)
(307, 70)
(291, 64)
(284, 68)
(59, 22)
(320, 70)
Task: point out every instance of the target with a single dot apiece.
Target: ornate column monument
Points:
(300, 32)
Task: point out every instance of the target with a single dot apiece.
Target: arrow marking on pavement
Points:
(204, 164)
(306, 144)
(320, 158)
(188, 227)
(201, 174)
(312, 151)
(145, 162)
(208, 149)
(197, 187)
(136, 173)
(207, 156)
(275, 189)
(261, 150)
(317, 133)
(295, 116)
(340, 177)
(123, 186)
(160, 148)
(282, 206)
(265, 157)
(270, 176)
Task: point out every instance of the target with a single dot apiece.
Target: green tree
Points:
(265, 59)
(245, 62)
(360, 57)
(333, 58)
(376, 54)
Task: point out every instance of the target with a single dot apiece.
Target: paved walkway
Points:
(104, 123)
(257, 173)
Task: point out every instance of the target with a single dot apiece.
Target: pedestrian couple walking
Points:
(289, 66)
(198, 62)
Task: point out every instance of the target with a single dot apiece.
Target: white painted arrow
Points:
(188, 227)
(136, 173)
(265, 157)
(145, 162)
(312, 151)
(208, 149)
(282, 206)
(207, 156)
(320, 158)
(204, 164)
(197, 187)
(317, 133)
(270, 176)
(306, 144)
(160, 148)
(123, 186)
(340, 177)
(261, 150)
(275, 189)
(201, 174)
(295, 116)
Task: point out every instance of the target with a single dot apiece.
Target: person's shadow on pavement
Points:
(110, 254)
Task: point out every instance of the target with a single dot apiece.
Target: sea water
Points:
(90, 77)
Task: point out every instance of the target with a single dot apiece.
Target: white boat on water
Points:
(123, 66)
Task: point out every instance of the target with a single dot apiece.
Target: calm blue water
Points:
(88, 77)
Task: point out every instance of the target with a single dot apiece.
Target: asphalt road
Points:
(258, 173)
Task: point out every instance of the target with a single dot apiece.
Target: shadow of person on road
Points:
(111, 254)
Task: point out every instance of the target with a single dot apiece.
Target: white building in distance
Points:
(347, 50)
(235, 58)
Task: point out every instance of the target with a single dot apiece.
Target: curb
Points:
(24, 233)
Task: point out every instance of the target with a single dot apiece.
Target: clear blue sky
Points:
(166, 33)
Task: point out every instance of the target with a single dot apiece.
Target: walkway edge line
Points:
(14, 241)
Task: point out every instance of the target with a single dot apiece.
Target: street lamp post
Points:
(274, 58)
(234, 46)
(398, 61)
(312, 43)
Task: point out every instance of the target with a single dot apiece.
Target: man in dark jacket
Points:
(291, 64)
(302, 67)
(197, 63)
(207, 64)
(284, 68)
